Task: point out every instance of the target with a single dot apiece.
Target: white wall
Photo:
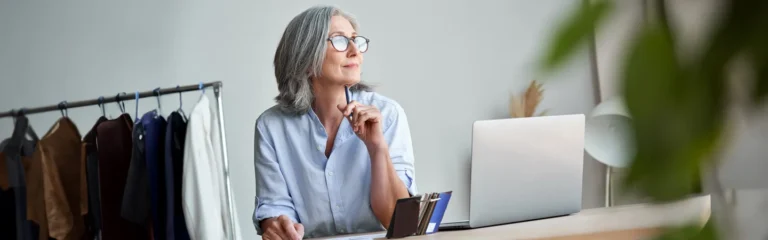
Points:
(611, 44)
(447, 63)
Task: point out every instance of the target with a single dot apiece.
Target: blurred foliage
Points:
(689, 232)
(678, 104)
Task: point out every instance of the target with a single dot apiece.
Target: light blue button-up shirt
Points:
(329, 196)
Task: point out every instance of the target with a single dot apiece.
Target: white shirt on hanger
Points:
(203, 190)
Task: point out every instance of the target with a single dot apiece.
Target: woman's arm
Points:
(386, 186)
(274, 214)
(391, 154)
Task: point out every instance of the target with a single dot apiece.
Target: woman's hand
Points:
(281, 228)
(366, 122)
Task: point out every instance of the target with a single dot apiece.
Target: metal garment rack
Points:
(122, 97)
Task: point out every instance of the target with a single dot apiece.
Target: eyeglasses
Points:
(341, 43)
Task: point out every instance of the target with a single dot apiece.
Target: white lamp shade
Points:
(608, 134)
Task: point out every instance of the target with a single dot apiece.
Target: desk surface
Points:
(630, 221)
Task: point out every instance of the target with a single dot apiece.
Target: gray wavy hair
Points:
(300, 55)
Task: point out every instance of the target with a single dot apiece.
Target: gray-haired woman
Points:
(324, 166)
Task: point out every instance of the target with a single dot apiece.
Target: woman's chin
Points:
(350, 82)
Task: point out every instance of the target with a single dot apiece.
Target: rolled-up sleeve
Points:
(272, 197)
(398, 134)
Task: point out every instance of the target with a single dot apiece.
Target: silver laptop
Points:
(524, 169)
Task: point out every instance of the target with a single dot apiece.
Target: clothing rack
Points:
(122, 97)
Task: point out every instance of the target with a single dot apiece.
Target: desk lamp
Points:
(608, 140)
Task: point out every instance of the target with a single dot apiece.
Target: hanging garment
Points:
(114, 154)
(9, 219)
(7, 206)
(175, 135)
(145, 189)
(47, 203)
(90, 155)
(155, 131)
(61, 146)
(136, 198)
(204, 198)
(13, 153)
(13, 198)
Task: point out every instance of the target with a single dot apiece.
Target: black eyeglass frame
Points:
(349, 40)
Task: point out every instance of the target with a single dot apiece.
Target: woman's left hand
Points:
(366, 122)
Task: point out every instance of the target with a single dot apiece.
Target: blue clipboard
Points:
(439, 211)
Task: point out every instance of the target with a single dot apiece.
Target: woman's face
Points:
(342, 67)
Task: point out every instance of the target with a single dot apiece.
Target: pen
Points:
(346, 92)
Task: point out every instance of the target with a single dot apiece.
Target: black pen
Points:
(346, 92)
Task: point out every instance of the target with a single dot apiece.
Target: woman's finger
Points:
(283, 234)
(362, 117)
(299, 230)
(346, 108)
(273, 230)
(356, 114)
(351, 107)
(288, 231)
(271, 235)
(375, 115)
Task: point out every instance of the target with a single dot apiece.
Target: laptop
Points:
(524, 169)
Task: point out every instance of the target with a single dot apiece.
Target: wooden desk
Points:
(620, 222)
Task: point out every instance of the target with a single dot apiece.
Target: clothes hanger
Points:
(15, 145)
(63, 109)
(159, 106)
(202, 89)
(137, 107)
(30, 132)
(101, 105)
(20, 125)
(120, 103)
(181, 110)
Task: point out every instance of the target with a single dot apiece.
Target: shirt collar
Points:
(344, 133)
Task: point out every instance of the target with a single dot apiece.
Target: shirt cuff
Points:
(407, 179)
(267, 211)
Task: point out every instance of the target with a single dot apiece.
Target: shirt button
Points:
(319, 148)
(338, 206)
(330, 173)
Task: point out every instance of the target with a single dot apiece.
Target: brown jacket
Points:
(60, 150)
(46, 201)
(54, 178)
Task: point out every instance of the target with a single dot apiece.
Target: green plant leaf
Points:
(759, 49)
(761, 84)
(677, 119)
(690, 232)
(680, 233)
(742, 28)
(574, 31)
